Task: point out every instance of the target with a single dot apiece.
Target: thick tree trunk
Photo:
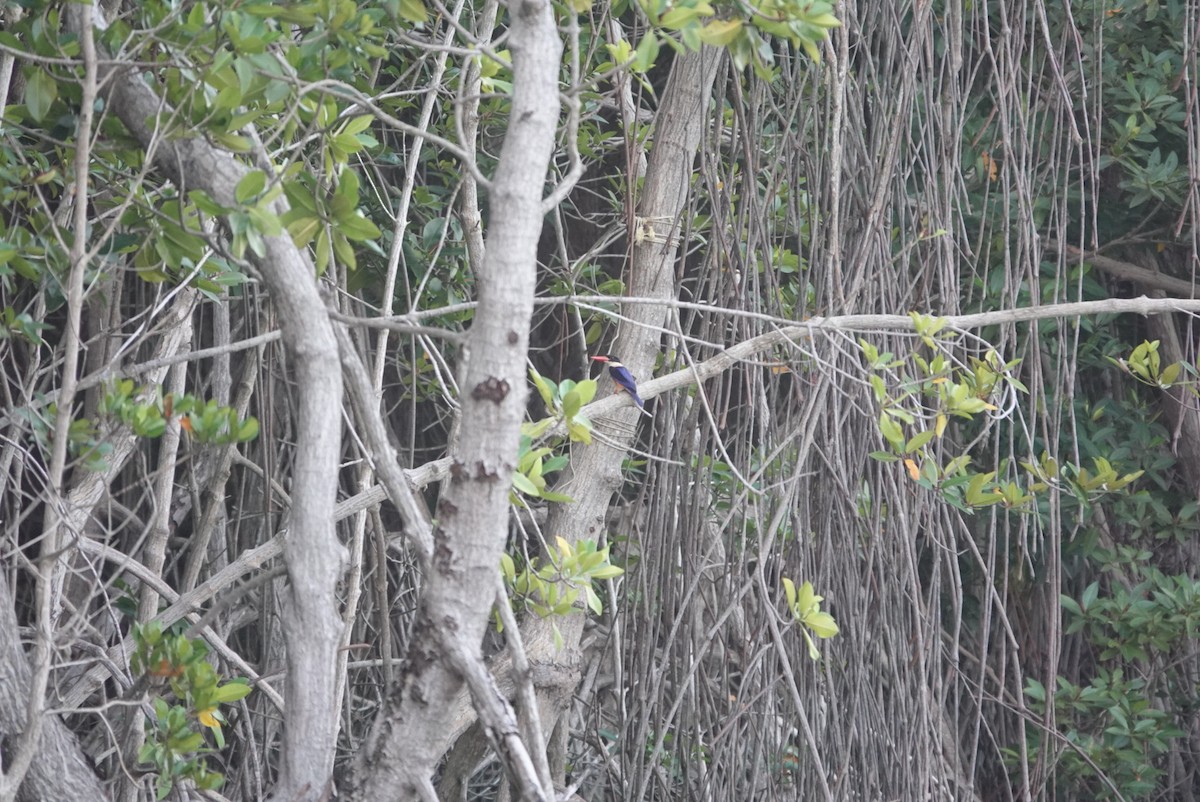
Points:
(59, 769)
(406, 742)
(312, 552)
(595, 471)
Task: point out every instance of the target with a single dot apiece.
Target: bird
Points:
(621, 375)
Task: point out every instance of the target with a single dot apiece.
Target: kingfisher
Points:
(624, 379)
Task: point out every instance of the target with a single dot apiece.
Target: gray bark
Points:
(59, 769)
(595, 472)
(472, 516)
(55, 767)
(313, 555)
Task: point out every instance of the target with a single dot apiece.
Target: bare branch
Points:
(405, 743)
(313, 554)
(51, 565)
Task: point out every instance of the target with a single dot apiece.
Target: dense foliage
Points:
(861, 546)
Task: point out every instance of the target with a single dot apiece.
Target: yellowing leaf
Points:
(620, 52)
(207, 719)
(807, 600)
(813, 654)
(989, 166)
(914, 472)
(490, 67)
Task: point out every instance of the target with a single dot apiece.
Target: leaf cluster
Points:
(553, 587)
(206, 422)
(805, 606)
(1123, 726)
(744, 30)
(177, 664)
(920, 393)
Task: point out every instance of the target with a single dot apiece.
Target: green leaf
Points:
(522, 483)
(251, 185)
(228, 98)
(357, 125)
(232, 142)
(545, 387)
(300, 197)
(345, 251)
(1070, 605)
(593, 601)
(580, 430)
(413, 11)
(323, 250)
(248, 430)
(720, 32)
(303, 229)
(823, 21)
(41, 90)
(357, 228)
(571, 404)
(918, 440)
(536, 430)
(607, 572)
(191, 743)
(646, 53)
(678, 17)
(1170, 374)
(822, 624)
(891, 431)
(975, 495)
(265, 221)
(231, 692)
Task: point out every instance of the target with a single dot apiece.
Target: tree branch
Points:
(406, 741)
(312, 552)
(58, 529)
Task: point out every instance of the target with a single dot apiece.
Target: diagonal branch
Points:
(406, 742)
(313, 555)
